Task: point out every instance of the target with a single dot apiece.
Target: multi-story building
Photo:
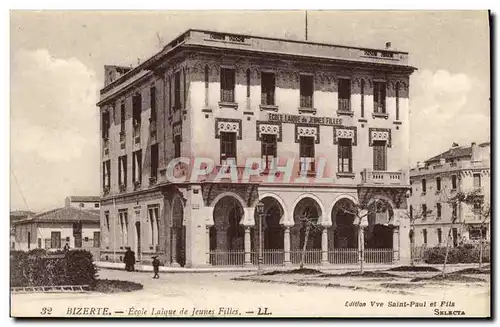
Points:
(318, 110)
(435, 181)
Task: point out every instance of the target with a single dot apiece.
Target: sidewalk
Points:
(213, 269)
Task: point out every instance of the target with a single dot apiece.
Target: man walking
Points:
(156, 267)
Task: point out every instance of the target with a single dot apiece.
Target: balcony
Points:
(345, 107)
(370, 177)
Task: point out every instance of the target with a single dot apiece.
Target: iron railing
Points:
(343, 256)
(379, 256)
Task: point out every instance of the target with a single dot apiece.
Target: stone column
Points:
(248, 246)
(324, 246)
(286, 243)
(395, 243)
(174, 247)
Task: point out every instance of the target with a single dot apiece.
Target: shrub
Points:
(37, 268)
(461, 254)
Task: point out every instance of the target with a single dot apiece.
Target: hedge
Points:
(39, 268)
(461, 254)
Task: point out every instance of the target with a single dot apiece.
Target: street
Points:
(216, 295)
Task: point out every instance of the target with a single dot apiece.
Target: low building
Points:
(84, 202)
(16, 215)
(459, 169)
(55, 228)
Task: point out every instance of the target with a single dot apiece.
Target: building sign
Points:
(294, 119)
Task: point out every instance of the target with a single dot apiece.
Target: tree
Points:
(412, 217)
(475, 201)
(311, 224)
(361, 211)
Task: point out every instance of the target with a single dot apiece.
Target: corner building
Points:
(231, 97)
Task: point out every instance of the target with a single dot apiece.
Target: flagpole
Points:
(306, 25)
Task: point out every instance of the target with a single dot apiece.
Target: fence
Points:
(379, 256)
(276, 257)
(417, 253)
(269, 257)
(343, 256)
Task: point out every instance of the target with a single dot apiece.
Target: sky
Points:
(56, 71)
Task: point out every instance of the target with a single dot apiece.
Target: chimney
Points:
(387, 45)
(475, 152)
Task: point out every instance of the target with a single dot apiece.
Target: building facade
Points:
(52, 230)
(84, 202)
(306, 110)
(17, 215)
(459, 169)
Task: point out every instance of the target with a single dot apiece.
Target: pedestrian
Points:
(132, 260)
(127, 259)
(66, 247)
(156, 267)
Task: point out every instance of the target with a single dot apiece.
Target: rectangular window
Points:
(184, 86)
(397, 100)
(154, 160)
(454, 210)
(39, 243)
(152, 102)
(106, 220)
(424, 185)
(123, 227)
(96, 205)
(177, 91)
(439, 235)
(438, 210)
(306, 153)
(227, 147)
(345, 155)
(424, 234)
(477, 180)
(122, 117)
(344, 94)
(177, 146)
(170, 95)
(136, 109)
(268, 150)
(379, 156)
(154, 225)
(137, 166)
(206, 85)
(97, 239)
(424, 211)
(306, 91)
(362, 91)
(379, 95)
(106, 177)
(454, 233)
(438, 183)
(227, 83)
(122, 170)
(411, 187)
(268, 85)
(105, 125)
(248, 83)
(454, 182)
(55, 240)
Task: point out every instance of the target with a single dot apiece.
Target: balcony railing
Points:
(344, 104)
(383, 177)
(306, 101)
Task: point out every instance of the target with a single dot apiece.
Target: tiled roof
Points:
(84, 198)
(456, 152)
(66, 214)
(21, 213)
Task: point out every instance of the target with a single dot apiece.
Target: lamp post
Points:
(260, 211)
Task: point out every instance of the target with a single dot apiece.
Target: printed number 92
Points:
(46, 311)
